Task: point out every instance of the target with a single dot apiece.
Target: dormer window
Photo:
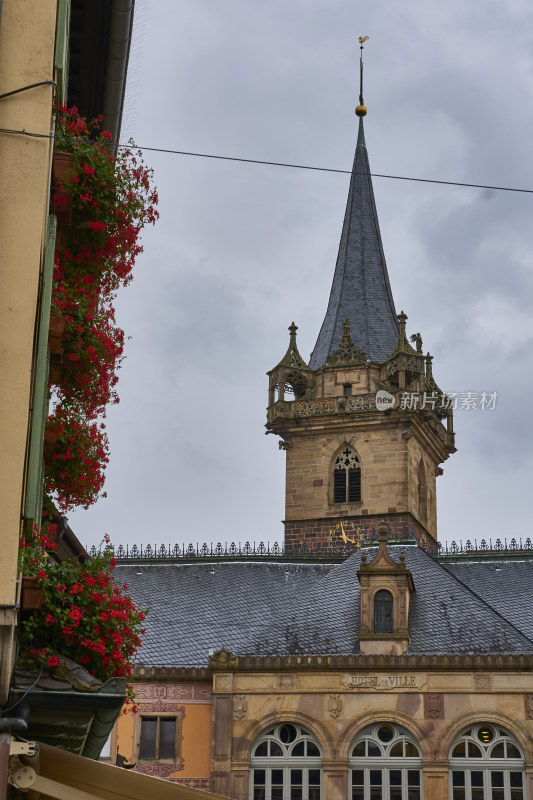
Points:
(386, 588)
(383, 612)
(347, 478)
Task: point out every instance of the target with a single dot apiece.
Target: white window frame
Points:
(385, 763)
(286, 762)
(486, 764)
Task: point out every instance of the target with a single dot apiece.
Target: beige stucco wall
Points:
(192, 704)
(27, 37)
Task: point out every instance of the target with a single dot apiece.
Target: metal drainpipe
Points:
(116, 69)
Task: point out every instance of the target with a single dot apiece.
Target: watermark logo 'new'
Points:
(384, 400)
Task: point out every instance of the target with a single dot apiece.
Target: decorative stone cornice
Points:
(225, 661)
(168, 674)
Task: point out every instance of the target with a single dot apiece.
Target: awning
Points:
(61, 775)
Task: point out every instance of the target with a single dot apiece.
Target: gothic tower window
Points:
(486, 761)
(385, 763)
(422, 492)
(383, 612)
(286, 762)
(347, 477)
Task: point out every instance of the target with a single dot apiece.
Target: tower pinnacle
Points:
(360, 291)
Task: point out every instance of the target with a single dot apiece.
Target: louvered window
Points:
(347, 478)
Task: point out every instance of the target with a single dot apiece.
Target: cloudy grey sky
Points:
(241, 250)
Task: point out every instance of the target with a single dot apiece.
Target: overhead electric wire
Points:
(330, 169)
(288, 165)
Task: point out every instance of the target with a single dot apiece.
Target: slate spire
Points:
(360, 291)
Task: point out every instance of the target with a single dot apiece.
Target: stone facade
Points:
(434, 702)
(400, 452)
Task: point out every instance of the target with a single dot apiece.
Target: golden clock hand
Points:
(344, 537)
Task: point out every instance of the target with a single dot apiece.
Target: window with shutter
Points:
(347, 477)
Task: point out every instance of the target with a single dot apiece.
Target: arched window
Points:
(347, 477)
(286, 762)
(486, 761)
(422, 491)
(385, 764)
(383, 610)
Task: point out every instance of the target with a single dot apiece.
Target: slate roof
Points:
(505, 585)
(360, 290)
(205, 606)
(278, 608)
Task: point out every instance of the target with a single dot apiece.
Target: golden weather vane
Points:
(361, 108)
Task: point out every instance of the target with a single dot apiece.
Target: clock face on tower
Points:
(347, 532)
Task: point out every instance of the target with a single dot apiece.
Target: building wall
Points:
(434, 706)
(389, 455)
(26, 28)
(191, 704)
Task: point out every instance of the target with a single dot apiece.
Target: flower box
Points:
(61, 201)
(31, 597)
(54, 373)
(50, 439)
(55, 334)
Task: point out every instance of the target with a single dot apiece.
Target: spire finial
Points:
(292, 330)
(361, 108)
(402, 319)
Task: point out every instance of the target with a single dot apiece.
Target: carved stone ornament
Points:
(195, 783)
(159, 770)
(240, 705)
(220, 658)
(223, 683)
(347, 352)
(381, 682)
(334, 705)
(434, 706)
(483, 681)
(177, 692)
(286, 682)
(159, 705)
(413, 365)
(528, 698)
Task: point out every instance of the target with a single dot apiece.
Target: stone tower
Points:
(364, 426)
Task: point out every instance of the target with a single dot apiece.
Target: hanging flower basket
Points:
(78, 610)
(103, 199)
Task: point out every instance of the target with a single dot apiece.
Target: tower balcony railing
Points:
(321, 406)
(357, 403)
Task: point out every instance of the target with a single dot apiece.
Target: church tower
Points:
(364, 426)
